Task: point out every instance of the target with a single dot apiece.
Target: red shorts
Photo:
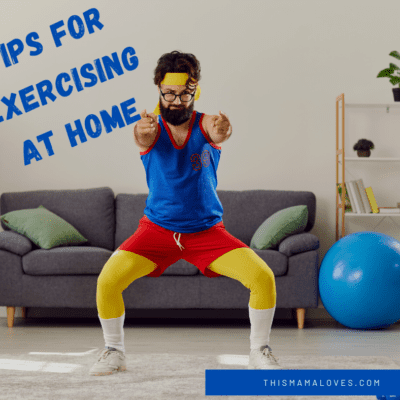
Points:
(165, 247)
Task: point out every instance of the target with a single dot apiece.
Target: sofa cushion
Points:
(299, 244)
(42, 227)
(282, 224)
(90, 211)
(81, 260)
(277, 261)
(15, 243)
(129, 208)
(74, 260)
(245, 211)
(181, 267)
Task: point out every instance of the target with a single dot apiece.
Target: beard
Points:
(176, 116)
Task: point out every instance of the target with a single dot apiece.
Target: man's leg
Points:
(244, 265)
(121, 269)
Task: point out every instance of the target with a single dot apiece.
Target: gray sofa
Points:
(66, 277)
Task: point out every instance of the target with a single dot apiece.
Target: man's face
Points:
(177, 112)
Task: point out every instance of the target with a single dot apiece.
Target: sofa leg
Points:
(24, 312)
(301, 313)
(10, 316)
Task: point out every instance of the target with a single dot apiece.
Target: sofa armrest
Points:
(15, 243)
(298, 243)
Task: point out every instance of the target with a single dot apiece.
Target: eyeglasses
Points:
(170, 97)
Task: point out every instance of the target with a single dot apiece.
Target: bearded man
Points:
(180, 149)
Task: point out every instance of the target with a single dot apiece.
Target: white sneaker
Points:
(109, 362)
(263, 358)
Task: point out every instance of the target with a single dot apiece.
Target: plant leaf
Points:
(394, 80)
(395, 54)
(385, 72)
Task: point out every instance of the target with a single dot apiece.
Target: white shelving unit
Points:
(341, 159)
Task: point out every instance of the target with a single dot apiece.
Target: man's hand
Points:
(220, 126)
(146, 128)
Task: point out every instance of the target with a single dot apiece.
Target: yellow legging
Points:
(242, 264)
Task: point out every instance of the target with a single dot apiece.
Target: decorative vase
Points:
(396, 94)
(363, 153)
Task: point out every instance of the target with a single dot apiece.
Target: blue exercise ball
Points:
(359, 280)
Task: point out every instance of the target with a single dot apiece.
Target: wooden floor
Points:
(198, 337)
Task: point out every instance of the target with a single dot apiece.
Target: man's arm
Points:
(217, 127)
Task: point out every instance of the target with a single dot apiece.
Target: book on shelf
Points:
(347, 204)
(389, 210)
(357, 197)
(351, 195)
(360, 200)
(364, 197)
(372, 200)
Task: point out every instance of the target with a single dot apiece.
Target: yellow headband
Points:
(176, 78)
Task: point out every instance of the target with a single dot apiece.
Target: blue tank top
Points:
(182, 180)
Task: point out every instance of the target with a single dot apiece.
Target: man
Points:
(180, 149)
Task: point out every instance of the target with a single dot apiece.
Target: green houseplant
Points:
(363, 147)
(388, 73)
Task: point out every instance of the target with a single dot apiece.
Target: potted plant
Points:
(388, 73)
(363, 147)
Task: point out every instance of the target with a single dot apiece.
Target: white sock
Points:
(113, 331)
(260, 326)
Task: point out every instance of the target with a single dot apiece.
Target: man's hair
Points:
(177, 61)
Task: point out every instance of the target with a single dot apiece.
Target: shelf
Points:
(359, 105)
(371, 159)
(340, 130)
(372, 215)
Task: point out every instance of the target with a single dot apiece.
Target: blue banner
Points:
(306, 382)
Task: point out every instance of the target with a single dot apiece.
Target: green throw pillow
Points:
(279, 226)
(42, 227)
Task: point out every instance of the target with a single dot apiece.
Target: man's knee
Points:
(263, 275)
(259, 269)
(258, 273)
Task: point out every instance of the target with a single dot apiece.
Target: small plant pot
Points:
(363, 153)
(396, 94)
